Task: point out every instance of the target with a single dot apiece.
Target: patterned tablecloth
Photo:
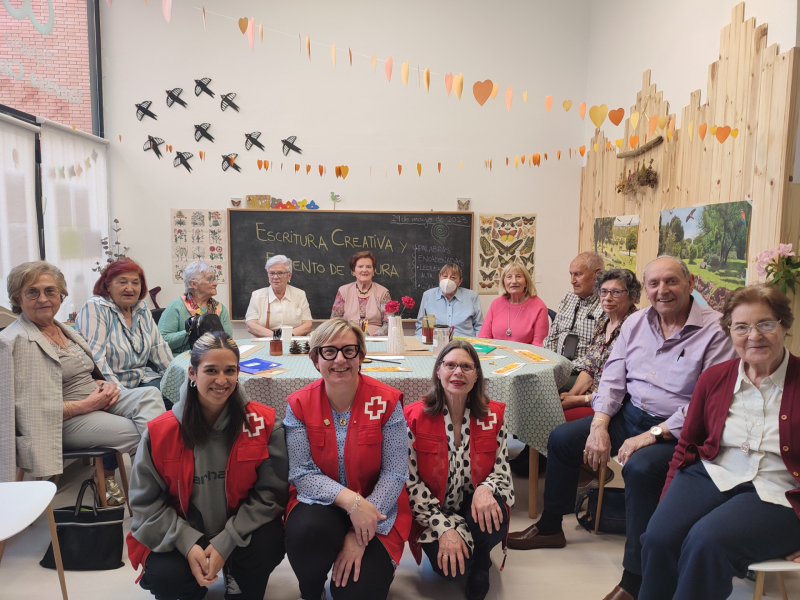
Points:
(530, 394)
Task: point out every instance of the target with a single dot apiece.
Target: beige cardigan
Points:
(31, 406)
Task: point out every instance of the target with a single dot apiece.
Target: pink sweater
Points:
(529, 322)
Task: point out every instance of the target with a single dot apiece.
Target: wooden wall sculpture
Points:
(751, 88)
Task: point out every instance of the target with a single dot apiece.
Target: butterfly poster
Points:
(616, 240)
(198, 234)
(504, 239)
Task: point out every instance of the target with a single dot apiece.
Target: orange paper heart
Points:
(260, 164)
(598, 114)
(439, 166)
(652, 124)
(702, 130)
(399, 169)
(321, 169)
(388, 69)
(582, 150)
(582, 110)
(558, 154)
(523, 157)
(419, 169)
(723, 133)
(448, 82)
(506, 161)
(308, 169)
(634, 139)
(548, 103)
(337, 170)
(296, 167)
(266, 165)
(536, 159)
(482, 90)
(619, 143)
(120, 137)
(426, 78)
(509, 97)
(243, 22)
(608, 145)
(545, 155)
(567, 104)
(616, 116)
(345, 170)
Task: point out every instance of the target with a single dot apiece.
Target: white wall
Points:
(348, 115)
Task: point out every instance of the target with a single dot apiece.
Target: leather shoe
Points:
(618, 594)
(530, 539)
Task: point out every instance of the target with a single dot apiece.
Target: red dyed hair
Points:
(113, 270)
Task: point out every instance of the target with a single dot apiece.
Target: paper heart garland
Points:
(662, 122)
(722, 133)
(506, 161)
(251, 33)
(516, 162)
(243, 24)
(548, 103)
(388, 69)
(399, 169)
(558, 154)
(404, 73)
(321, 170)
(634, 119)
(634, 140)
(523, 158)
(374, 61)
(345, 171)
(536, 159)
(296, 167)
(482, 90)
(619, 143)
(426, 79)
(266, 165)
(525, 97)
(419, 169)
(494, 91)
(702, 130)
(582, 110)
(652, 124)
(598, 114)
(713, 130)
(166, 8)
(582, 150)
(260, 163)
(616, 116)
(734, 133)
(448, 82)
(458, 85)
(545, 155)
(567, 104)
(509, 97)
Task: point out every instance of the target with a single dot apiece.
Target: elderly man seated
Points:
(640, 407)
(278, 305)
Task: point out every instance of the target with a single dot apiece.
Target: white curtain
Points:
(75, 199)
(19, 241)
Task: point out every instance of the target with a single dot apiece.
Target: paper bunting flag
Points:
(516, 162)
(652, 123)
(722, 133)
(404, 73)
(662, 123)
(616, 116)
(426, 78)
(482, 90)
(458, 85)
(243, 25)
(439, 166)
(166, 8)
(598, 114)
(734, 133)
(388, 69)
(525, 97)
(634, 120)
(399, 169)
(619, 143)
(567, 104)
(308, 169)
(558, 154)
(308, 46)
(506, 161)
(548, 103)
(536, 159)
(374, 61)
(582, 150)
(261, 32)
(509, 97)
(251, 33)
(634, 140)
(582, 110)
(419, 169)
(350, 52)
(448, 82)
(494, 91)
(333, 54)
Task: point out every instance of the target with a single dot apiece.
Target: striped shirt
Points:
(123, 353)
(575, 315)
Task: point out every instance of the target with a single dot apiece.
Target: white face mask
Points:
(448, 286)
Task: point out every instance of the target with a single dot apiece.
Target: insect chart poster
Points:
(198, 234)
(504, 238)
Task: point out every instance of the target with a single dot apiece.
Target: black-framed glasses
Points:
(765, 327)
(450, 367)
(614, 293)
(330, 352)
(34, 293)
(277, 273)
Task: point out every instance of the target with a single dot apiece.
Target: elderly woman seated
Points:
(200, 282)
(731, 496)
(52, 394)
(619, 291)
(451, 304)
(279, 304)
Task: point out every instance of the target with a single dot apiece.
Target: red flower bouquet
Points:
(394, 309)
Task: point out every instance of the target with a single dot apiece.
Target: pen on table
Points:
(394, 362)
(680, 355)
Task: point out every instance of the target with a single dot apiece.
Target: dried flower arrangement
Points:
(113, 251)
(642, 176)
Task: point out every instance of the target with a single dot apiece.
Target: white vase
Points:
(396, 342)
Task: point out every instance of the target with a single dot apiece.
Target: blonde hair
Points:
(451, 269)
(530, 289)
(332, 329)
(28, 273)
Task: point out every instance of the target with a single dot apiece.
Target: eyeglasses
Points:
(34, 293)
(277, 273)
(209, 279)
(331, 352)
(614, 293)
(450, 367)
(765, 327)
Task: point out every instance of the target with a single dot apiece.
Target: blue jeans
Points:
(700, 538)
(110, 463)
(644, 473)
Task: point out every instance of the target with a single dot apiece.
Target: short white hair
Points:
(193, 272)
(279, 258)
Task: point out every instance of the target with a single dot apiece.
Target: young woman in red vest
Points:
(209, 486)
(348, 460)
(459, 482)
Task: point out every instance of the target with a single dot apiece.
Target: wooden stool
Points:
(776, 566)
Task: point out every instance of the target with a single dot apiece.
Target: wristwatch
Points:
(658, 433)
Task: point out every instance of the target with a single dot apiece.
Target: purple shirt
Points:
(660, 374)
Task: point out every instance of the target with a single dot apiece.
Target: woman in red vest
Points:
(348, 464)
(459, 481)
(209, 486)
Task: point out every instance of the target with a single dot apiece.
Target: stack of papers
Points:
(254, 365)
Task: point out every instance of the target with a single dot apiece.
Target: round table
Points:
(530, 393)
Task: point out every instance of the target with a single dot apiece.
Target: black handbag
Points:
(612, 515)
(90, 538)
(197, 325)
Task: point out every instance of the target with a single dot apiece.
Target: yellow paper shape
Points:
(690, 129)
(509, 97)
(548, 102)
(662, 122)
(713, 130)
(458, 85)
(567, 104)
(419, 169)
(374, 61)
(582, 110)
(634, 120)
(461, 165)
(595, 147)
(735, 133)
(494, 91)
(669, 134)
(404, 73)
(261, 31)
(598, 114)
(308, 46)
(426, 79)
(388, 69)
(516, 162)
(345, 171)
(525, 97)
(619, 143)
(333, 54)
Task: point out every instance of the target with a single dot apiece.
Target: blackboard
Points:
(410, 247)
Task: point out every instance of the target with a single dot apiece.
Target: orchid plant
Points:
(780, 266)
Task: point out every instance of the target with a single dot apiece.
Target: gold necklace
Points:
(54, 340)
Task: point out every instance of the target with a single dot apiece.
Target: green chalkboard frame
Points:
(241, 285)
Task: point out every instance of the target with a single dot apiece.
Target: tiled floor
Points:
(587, 568)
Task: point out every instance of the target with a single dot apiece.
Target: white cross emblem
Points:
(492, 420)
(257, 421)
(371, 407)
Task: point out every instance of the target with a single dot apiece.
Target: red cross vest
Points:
(371, 409)
(432, 454)
(175, 463)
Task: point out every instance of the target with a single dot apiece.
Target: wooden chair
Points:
(777, 566)
(21, 503)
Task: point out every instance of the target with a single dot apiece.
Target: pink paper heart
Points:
(251, 33)
(389, 69)
(166, 8)
(448, 82)
(548, 103)
(509, 97)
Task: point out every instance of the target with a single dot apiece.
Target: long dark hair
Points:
(194, 429)
(476, 399)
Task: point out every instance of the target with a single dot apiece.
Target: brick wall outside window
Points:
(59, 62)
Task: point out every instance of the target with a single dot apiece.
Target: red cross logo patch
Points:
(256, 425)
(492, 419)
(375, 407)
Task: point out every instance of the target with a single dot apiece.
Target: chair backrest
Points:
(156, 312)
(552, 314)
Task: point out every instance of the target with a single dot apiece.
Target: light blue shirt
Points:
(462, 312)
